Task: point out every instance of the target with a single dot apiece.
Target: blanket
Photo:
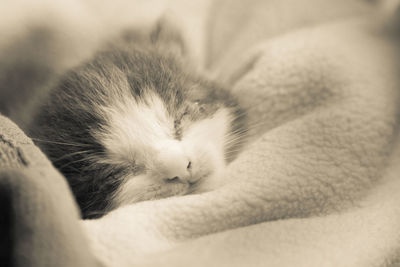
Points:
(316, 185)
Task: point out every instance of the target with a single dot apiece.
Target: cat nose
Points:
(176, 173)
(176, 169)
(173, 164)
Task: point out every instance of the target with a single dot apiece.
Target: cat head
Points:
(134, 124)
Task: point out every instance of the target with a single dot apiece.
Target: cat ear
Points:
(168, 35)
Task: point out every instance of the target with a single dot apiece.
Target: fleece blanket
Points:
(317, 184)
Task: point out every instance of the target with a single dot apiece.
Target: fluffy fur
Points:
(133, 124)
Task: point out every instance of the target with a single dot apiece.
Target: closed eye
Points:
(178, 129)
(199, 107)
(177, 123)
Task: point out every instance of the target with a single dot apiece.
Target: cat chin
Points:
(141, 188)
(149, 187)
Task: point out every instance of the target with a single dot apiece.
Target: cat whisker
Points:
(72, 162)
(237, 139)
(72, 154)
(239, 116)
(234, 144)
(233, 151)
(230, 153)
(239, 132)
(60, 143)
(75, 169)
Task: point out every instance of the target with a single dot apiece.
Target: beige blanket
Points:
(317, 185)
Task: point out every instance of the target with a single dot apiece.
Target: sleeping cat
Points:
(135, 123)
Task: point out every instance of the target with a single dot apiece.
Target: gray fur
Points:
(63, 125)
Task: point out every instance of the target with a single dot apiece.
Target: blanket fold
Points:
(39, 215)
(317, 184)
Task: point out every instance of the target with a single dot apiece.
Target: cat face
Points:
(169, 153)
(134, 125)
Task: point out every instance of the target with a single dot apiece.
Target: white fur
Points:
(142, 133)
(133, 128)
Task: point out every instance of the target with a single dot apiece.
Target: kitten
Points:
(134, 123)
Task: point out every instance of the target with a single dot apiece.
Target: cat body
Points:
(134, 123)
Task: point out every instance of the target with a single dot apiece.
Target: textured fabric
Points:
(40, 217)
(316, 186)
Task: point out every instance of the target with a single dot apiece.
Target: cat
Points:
(135, 123)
